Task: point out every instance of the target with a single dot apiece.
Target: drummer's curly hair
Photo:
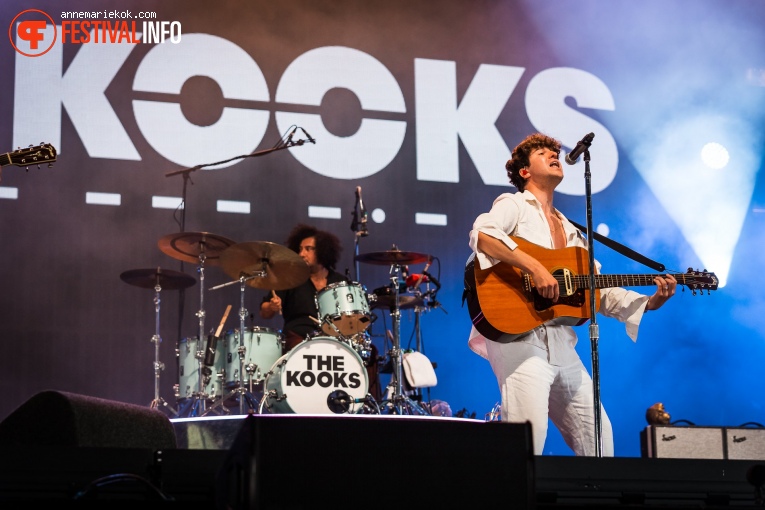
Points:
(520, 156)
(328, 246)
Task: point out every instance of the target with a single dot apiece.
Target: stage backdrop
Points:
(416, 103)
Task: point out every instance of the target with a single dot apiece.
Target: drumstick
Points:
(273, 293)
(222, 321)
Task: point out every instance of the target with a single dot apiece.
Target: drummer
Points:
(321, 251)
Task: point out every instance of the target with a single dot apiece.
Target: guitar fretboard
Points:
(5, 159)
(603, 281)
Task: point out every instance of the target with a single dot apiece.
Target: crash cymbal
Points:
(271, 265)
(188, 246)
(390, 257)
(167, 279)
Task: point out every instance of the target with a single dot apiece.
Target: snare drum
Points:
(190, 353)
(319, 376)
(343, 309)
(262, 347)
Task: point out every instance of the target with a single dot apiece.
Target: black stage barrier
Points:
(380, 462)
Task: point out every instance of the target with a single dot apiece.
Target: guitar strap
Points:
(620, 248)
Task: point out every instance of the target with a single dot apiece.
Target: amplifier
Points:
(671, 442)
(745, 443)
(668, 442)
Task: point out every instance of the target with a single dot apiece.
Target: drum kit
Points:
(324, 374)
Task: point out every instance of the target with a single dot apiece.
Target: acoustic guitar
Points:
(503, 299)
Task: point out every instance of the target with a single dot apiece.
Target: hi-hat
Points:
(266, 265)
(390, 257)
(191, 246)
(166, 278)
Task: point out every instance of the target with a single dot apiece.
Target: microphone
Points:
(581, 146)
(289, 138)
(310, 138)
(363, 212)
(210, 351)
(432, 279)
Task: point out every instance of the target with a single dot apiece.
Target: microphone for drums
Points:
(432, 279)
(210, 351)
(339, 401)
(209, 359)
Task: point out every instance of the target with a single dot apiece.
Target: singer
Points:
(539, 373)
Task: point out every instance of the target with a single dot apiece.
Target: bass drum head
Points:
(320, 376)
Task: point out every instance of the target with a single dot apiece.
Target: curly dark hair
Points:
(520, 156)
(328, 246)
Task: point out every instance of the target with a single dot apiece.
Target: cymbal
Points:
(167, 279)
(390, 257)
(283, 268)
(188, 246)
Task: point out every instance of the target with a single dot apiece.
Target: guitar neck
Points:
(604, 281)
(5, 159)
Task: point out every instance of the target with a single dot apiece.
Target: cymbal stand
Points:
(240, 390)
(197, 403)
(156, 339)
(398, 401)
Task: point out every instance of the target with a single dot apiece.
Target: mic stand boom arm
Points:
(187, 171)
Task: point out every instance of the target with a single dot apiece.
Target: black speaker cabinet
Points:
(57, 418)
(373, 461)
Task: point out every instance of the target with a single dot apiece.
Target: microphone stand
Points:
(594, 328)
(359, 226)
(186, 173)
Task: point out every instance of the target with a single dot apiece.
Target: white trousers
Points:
(532, 389)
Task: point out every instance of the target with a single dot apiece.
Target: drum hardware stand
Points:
(197, 403)
(240, 390)
(155, 278)
(158, 366)
(399, 402)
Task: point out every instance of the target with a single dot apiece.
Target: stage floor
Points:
(408, 462)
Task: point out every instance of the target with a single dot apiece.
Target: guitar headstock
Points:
(698, 280)
(33, 155)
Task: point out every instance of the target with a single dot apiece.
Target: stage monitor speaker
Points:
(745, 443)
(377, 462)
(56, 418)
(672, 442)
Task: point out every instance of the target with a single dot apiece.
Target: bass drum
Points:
(189, 354)
(319, 376)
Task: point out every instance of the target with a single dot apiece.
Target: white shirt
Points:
(521, 215)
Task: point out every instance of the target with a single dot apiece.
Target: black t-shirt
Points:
(299, 305)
